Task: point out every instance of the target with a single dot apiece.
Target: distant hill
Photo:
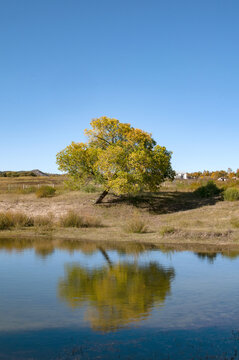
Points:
(37, 172)
(34, 172)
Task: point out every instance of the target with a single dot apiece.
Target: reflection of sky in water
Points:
(203, 294)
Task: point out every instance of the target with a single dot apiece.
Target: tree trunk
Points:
(106, 256)
(101, 197)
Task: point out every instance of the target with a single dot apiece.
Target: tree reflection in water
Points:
(116, 294)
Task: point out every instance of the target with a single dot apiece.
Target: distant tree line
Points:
(215, 175)
(16, 173)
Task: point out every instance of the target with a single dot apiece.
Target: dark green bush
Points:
(208, 190)
(231, 194)
(45, 191)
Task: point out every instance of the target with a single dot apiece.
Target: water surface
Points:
(71, 300)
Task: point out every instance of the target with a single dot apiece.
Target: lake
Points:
(79, 300)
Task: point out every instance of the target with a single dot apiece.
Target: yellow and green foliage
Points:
(118, 156)
(116, 294)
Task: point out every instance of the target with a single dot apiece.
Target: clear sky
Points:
(170, 67)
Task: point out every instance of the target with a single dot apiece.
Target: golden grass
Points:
(9, 220)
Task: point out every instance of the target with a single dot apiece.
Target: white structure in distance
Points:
(181, 175)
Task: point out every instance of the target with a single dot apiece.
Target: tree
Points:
(117, 294)
(117, 156)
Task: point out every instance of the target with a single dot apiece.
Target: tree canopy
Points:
(117, 156)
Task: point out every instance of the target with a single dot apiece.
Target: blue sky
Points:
(169, 67)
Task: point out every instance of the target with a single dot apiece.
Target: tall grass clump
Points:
(231, 194)
(73, 219)
(208, 190)
(45, 191)
(5, 221)
(22, 220)
(136, 226)
(10, 219)
(44, 222)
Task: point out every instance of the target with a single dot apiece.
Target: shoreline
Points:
(151, 239)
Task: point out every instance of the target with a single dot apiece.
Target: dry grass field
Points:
(174, 215)
(19, 184)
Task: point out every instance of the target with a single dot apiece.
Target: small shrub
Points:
(208, 190)
(231, 194)
(235, 223)
(45, 191)
(136, 225)
(165, 230)
(73, 219)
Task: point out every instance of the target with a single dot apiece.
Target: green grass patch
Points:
(231, 194)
